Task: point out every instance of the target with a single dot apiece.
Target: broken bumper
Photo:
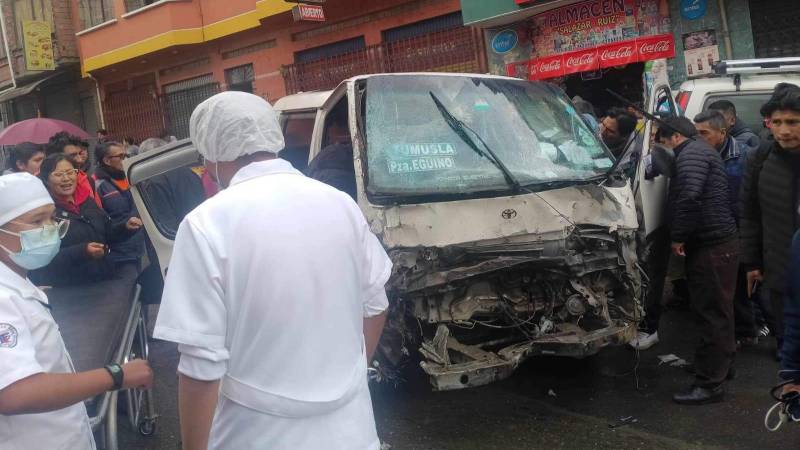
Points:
(484, 367)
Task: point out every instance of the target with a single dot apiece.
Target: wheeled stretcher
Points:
(104, 323)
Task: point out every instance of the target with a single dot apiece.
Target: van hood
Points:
(549, 213)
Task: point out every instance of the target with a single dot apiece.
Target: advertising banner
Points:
(38, 45)
(583, 61)
(701, 52)
(588, 35)
(626, 52)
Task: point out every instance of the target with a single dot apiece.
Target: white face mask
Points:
(38, 246)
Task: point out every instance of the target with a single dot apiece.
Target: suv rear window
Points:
(747, 107)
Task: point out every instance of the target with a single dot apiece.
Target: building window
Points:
(182, 98)
(133, 5)
(330, 50)
(240, 78)
(95, 12)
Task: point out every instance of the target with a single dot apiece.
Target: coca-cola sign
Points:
(580, 61)
(549, 68)
(618, 55)
(656, 47)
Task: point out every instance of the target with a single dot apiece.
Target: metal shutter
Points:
(776, 27)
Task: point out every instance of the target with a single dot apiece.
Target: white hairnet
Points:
(19, 193)
(232, 124)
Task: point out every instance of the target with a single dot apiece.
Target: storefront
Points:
(586, 47)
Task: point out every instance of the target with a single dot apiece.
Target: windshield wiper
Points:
(460, 128)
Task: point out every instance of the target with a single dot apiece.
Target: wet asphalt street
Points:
(552, 403)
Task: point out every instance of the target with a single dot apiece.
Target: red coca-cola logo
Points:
(582, 60)
(550, 66)
(655, 47)
(617, 53)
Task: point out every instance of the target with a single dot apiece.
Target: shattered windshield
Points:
(533, 130)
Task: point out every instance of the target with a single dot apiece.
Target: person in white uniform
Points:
(275, 294)
(41, 396)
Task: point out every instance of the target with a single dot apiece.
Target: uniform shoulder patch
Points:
(8, 336)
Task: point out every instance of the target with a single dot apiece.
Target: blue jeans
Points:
(790, 363)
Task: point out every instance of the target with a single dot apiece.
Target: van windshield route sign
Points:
(421, 157)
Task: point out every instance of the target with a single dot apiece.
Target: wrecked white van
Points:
(508, 233)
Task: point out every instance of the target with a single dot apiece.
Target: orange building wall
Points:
(267, 63)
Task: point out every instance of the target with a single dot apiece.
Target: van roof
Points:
(302, 101)
(749, 83)
(432, 74)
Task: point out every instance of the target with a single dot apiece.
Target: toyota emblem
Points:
(509, 214)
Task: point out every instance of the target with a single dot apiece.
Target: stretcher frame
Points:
(139, 403)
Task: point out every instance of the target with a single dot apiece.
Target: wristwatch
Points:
(116, 374)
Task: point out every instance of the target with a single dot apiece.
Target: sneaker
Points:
(644, 340)
(764, 331)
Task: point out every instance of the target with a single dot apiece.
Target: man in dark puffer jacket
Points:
(770, 199)
(703, 230)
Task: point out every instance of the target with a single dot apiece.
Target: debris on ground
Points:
(628, 420)
(672, 360)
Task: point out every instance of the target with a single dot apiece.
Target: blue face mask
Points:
(39, 246)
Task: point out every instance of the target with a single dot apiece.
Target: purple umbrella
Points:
(38, 131)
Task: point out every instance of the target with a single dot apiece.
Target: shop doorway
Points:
(591, 86)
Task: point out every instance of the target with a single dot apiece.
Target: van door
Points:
(651, 194)
(167, 183)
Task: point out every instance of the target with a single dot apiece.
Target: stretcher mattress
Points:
(92, 317)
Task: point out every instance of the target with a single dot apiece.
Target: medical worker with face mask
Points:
(41, 396)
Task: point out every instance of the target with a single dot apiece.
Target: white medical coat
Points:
(30, 343)
(267, 289)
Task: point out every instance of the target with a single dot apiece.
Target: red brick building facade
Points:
(146, 93)
(59, 93)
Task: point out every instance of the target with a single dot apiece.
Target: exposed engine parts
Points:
(474, 316)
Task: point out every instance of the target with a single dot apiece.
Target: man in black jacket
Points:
(770, 202)
(703, 230)
(748, 141)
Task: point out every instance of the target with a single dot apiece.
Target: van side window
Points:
(297, 131)
(334, 164)
(748, 107)
(665, 106)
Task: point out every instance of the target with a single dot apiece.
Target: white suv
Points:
(748, 84)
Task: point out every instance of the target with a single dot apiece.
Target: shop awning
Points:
(20, 91)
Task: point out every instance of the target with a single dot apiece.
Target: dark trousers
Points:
(711, 274)
(657, 251)
(744, 307)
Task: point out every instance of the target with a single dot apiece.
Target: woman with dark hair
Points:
(116, 199)
(84, 249)
(25, 157)
(77, 151)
